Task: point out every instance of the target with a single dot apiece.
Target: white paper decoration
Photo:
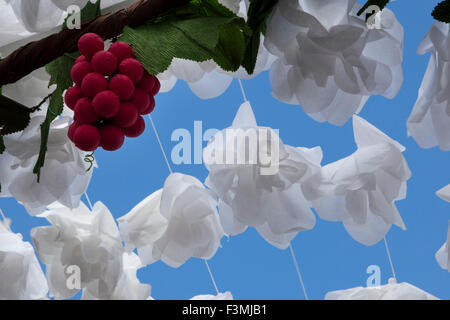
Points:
(429, 122)
(329, 61)
(390, 291)
(42, 15)
(128, 287)
(443, 254)
(174, 224)
(220, 296)
(80, 239)
(361, 190)
(21, 276)
(258, 180)
(64, 177)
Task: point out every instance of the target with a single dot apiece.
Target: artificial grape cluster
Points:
(111, 93)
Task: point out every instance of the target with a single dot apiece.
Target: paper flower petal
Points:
(429, 122)
(390, 291)
(253, 193)
(329, 61)
(174, 224)
(361, 190)
(21, 276)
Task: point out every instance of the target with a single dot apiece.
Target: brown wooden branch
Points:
(39, 53)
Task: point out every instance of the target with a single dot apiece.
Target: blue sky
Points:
(329, 259)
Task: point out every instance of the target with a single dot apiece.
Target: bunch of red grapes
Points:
(111, 93)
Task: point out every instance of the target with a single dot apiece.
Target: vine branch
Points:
(39, 53)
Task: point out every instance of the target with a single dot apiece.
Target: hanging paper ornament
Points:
(128, 287)
(390, 291)
(42, 15)
(361, 190)
(21, 276)
(220, 296)
(429, 122)
(258, 180)
(83, 240)
(443, 254)
(63, 160)
(329, 61)
(174, 224)
(31, 90)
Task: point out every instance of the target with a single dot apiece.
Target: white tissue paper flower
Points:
(81, 249)
(258, 180)
(128, 287)
(220, 296)
(329, 61)
(206, 79)
(42, 15)
(429, 122)
(443, 254)
(390, 291)
(361, 190)
(64, 177)
(21, 276)
(174, 224)
(11, 29)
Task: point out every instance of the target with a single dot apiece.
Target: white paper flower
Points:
(443, 254)
(258, 180)
(64, 177)
(11, 29)
(390, 291)
(361, 190)
(174, 224)
(83, 240)
(429, 122)
(206, 79)
(329, 61)
(42, 15)
(220, 296)
(21, 276)
(128, 287)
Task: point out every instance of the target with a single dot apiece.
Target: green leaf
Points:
(59, 71)
(258, 13)
(196, 38)
(199, 31)
(90, 11)
(2, 145)
(442, 11)
(14, 117)
(230, 48)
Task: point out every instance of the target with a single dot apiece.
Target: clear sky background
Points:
(329, 259)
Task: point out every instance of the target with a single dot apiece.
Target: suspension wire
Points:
(299, 274)
(2, 215)
(390, 258)
(160, 144)
(213, 280)
(242, 90)
(88, 200)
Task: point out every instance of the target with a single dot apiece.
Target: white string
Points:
(299, 274)
(2, 214)
(300, 278)
(242, 90)
(211, 276)
(170, 170)
(160, 144)
(390, 258)
(88, 200)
